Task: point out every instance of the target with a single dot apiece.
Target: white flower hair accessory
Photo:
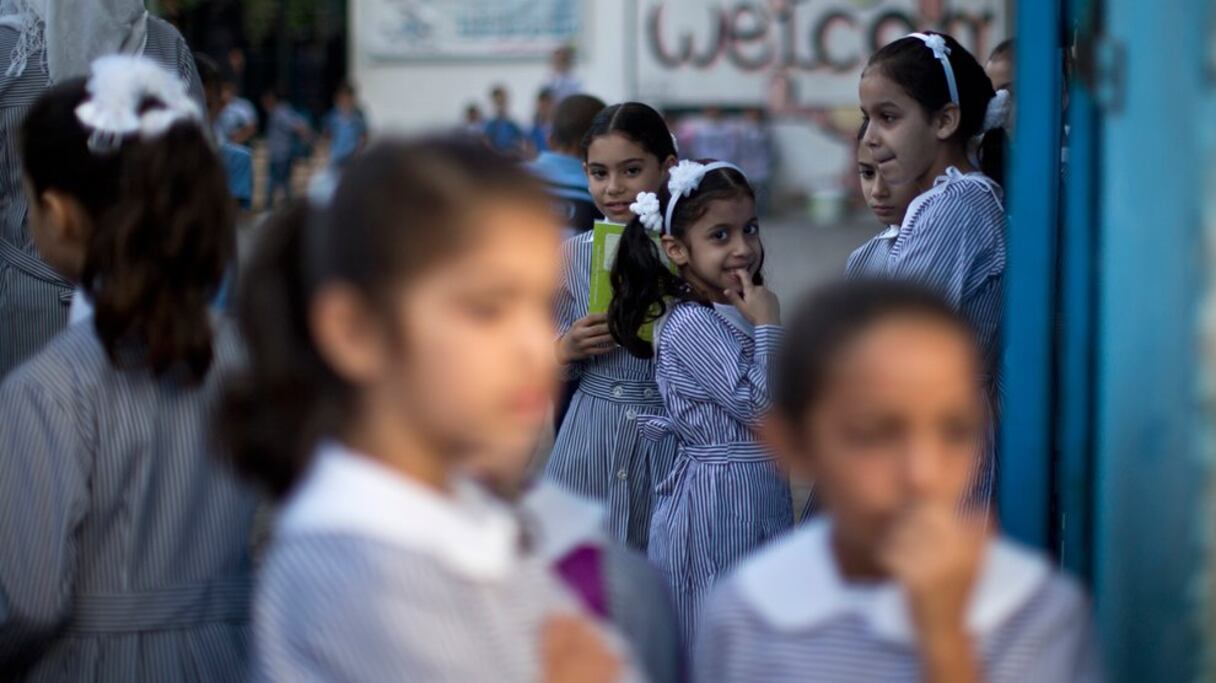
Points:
(684, 178)
(118, 86)
(941, 52)
(999, 108)
(646, 208)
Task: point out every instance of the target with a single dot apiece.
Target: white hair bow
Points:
(941, 52)
(999, 108)
(646, 208)
(118, 87)
(685, 177)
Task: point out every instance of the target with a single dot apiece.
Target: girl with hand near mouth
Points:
(717, 327)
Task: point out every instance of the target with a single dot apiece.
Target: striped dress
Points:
(953, 240)
(125, 540)
(725, 495)
(373, 577)
(787, 615)
(598, 452)
(637, 600)
(33, 297)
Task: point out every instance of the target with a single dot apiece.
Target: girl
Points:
(393, 334)
(597, 452)
(718, 327)
(126, 541)
(612, 581)
(888, 202)
(877, 398)
(926, 101)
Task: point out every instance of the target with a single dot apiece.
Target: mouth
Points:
(616, 207)
(883, 209)
(884, 160)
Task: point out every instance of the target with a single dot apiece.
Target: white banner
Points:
(451, 29)
(786, 53)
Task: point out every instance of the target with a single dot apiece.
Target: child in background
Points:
(877, 400)
(284, 129)
(504, 135)
(888, 202)
(928, 104)
(561, 167)
(598, 452)
(717, 328)
(757, 155)
(612, 581)
(238, 160)
(345, 128)
(126, 539)
(393, 334)
(542, 122)
(1000, 66)
(474, 125)
(715, 138)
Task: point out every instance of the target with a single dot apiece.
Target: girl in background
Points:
(393, 334)
(878, 399)
(598, 452)
(717, 328)
(126, 539)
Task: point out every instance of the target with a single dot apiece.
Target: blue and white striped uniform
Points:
(725, 495)
(374, 577)
(33, 297)
(953, 240)
(598, 451)
(788, 615)
(124, 539)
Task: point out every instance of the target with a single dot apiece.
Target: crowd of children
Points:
(396, 352)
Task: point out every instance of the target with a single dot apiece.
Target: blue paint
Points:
(1150, 480)
(1027, 424)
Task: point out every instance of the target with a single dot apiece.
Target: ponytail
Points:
(288, 397)
(641, 284)
(992, 154)
(161, 229)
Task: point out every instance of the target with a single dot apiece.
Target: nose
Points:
(881, 189)
(923, 468)
(870, 135)
(615, 186)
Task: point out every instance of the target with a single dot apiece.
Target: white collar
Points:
(943, 181)
(796, 585)
(345, 492)
(81, 308)
(564, 521)
(891, 232)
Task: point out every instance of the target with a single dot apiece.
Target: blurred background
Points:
(1109, 438)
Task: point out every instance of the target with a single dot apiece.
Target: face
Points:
(475, 369)
(1000, 72)
(900, 423)
(888, 202)
(723, 241)
(617, 170)
(500, 100)
(904, 142)
(344, 100)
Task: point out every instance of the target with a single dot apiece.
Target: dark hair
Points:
(545, 93)
(641, 281)
(636, 121)
(399, 208)
(911, 64)
(1003, 51)
(161, 229)
(832, 318)
(345, 88)
(573, 118)
(498, 90)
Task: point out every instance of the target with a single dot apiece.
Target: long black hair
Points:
(913, 66)
(641, 281)
(831, 319)
(401, 207)
(637, 122)
(162, 230)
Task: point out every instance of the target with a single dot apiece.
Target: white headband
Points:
(118, 86)
(941, 52)
(682, 180)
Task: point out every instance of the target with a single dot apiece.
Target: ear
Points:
(65, 223)
(947, 121)
(782, 439)
(347, 336)
(669, 162)
(676, 251)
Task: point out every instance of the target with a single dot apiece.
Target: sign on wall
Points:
(444, 29)
(786, 53)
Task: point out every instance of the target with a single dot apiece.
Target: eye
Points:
(889, 118)
(633, 171)
(485, 310)
(751, 229)
(598, 174)
(719, 235)
(867, 173)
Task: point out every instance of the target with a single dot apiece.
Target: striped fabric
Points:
(598, 452)
(725, 495)
(1045, 636)
(33, 298)
(953, 239)
(126, 542)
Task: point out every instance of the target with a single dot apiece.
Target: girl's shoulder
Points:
(955, 190)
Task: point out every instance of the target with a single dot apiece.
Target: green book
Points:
(605, 241)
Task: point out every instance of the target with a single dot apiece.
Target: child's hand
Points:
(573, 652)
(755, 302)
(935, 555)
(586, 338)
